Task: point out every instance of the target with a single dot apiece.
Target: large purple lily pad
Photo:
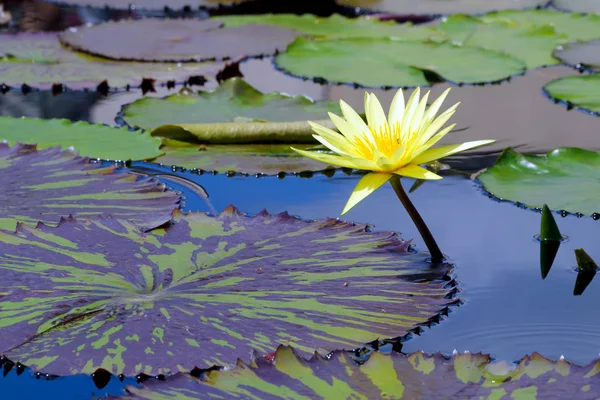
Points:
(39, 60)
(394, 376)
(205, 290)
(47, 184)
(177, 40)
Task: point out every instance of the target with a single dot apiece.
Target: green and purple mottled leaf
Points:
(205, 290)
(39, 60)
(394, 376)
(176, 40)
(43, 185)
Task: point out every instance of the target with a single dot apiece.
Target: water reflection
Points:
(73, 105)
(508, 310)
(587, 271)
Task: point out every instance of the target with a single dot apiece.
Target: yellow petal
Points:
(438, 136)
(355, 120)
(367, 185)
(333, 140)
(375, 114)
(396, 108)
(445, 151)
(344, 127)
(436, 125)
(411, 107)
(435, 107)
(340, 161)
(414, 171)
(417, 119)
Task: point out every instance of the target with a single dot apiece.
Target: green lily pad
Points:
(235, 101)
(335, 26)
(436, 7)
(44, 185)
(378, 62)
(176, 40)
(582, 92)
(267, 159)
(531, 43)
(564, 179)
(395, 376)
(581, 55)
(581, 6)
(97, 141)
(39, 60)
(573, 26)
(157, 5)
(204, 290)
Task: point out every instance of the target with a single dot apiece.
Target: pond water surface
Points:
(508, 310)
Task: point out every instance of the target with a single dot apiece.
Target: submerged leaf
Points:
(176, 40)
(582, 55)
(40, 61)
(156, 5)
(565, 179)
(530, 43)
(581, 6)
(235, 111)
(205, 290)
(436, 7)
(268, 159)
(378, 62)
(336, 25)
(395, 376)
(97, 141)
(47, 184)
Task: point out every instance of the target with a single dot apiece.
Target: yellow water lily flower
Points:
(386, 146)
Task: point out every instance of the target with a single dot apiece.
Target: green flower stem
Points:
(436, 254)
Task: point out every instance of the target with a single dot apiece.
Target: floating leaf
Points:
(176, 40)
(581, 91)
(233, 101)
(204, 290)
(530, 43)
(436, 7)
(581, 6)
(40, 61)
(334, 26)
(394, 376)
(565, 179)
(97, 141)
(386, 62)
(268, 159)
(158, 5)
(47, 184)
(572, 26)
